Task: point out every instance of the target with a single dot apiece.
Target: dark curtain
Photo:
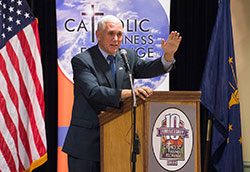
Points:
(194, 19)
(45, 11)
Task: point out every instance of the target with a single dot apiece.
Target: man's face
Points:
(110, 38)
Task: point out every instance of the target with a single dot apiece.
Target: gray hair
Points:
(108, 18)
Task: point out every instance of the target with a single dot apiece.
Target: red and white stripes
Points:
(22, 127)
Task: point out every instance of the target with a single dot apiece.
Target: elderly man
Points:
(100, 81)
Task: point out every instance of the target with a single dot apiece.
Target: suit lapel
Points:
(120, 69)
(101, 63)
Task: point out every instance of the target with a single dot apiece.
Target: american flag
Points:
(22, 128)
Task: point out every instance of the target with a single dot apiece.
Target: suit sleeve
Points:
(86, 81)
(146, 68)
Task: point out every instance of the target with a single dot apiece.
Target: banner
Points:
(145, 25)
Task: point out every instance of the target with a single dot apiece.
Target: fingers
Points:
(162, 42)
(172, 34)
(178, 37)
(143, 92)
(175, 35)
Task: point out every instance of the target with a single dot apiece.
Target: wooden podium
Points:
(169, 140)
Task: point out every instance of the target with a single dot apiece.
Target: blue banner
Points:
(145, 24)
(220, 95)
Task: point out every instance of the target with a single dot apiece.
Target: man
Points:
(97, 85)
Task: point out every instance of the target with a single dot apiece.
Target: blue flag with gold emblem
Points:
(220, 95)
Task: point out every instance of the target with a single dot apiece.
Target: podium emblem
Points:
(172, 139)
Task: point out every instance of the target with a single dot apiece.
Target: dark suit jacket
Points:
(94, 91)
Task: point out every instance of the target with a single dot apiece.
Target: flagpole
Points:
(208, 142)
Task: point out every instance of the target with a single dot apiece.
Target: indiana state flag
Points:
(220, 95)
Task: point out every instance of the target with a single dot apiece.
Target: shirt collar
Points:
(105, 55)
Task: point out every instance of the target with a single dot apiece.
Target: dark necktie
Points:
(112, 64)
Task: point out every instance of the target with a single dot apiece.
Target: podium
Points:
(168, 124)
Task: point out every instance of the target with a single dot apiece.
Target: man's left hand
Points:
(171, 45)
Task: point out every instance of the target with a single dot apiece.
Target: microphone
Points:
(136, 139)
(123, 53)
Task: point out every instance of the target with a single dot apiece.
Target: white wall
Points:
(240, 10)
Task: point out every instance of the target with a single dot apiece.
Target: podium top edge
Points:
(158, 96)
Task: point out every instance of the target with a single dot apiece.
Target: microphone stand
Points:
(136, 140)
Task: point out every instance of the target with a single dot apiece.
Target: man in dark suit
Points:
(100, 81)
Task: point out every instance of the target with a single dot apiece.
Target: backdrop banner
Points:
(144, 28)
